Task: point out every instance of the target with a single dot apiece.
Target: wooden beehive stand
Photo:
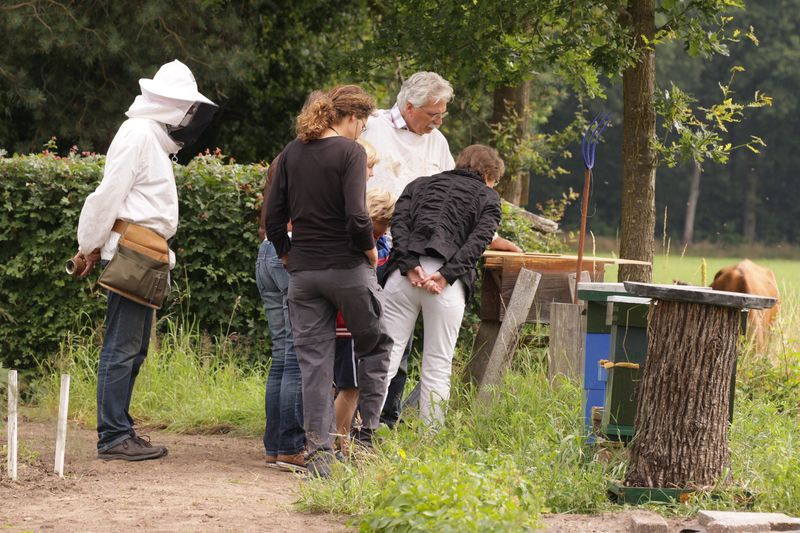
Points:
(681, 439)
(508, 293)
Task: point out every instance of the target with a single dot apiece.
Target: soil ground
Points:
(206, 483)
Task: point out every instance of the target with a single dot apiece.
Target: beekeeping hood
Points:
(172, 98)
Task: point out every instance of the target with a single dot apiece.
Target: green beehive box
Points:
(596, 295)
(628, 344)
(596, 317)
(628, 311)
(620, 404)
(627, 317)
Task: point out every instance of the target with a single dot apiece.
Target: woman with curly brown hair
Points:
(320, 184)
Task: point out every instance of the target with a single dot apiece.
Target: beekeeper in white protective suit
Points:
(137, 191)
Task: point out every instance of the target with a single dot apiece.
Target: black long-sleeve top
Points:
(321, 186)
(452, 215)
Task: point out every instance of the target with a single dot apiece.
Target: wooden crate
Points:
(500, 271)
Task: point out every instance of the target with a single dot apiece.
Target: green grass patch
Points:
(494, 466)
(187, 384)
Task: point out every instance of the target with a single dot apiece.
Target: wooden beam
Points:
(492, 357)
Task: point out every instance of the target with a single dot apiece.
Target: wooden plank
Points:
(61, 428)
(13, 400)
(699, 295)
(585, 278)
(540, 264)
(492, 254)
(565, 354)
(491, 302)
(504, 346)
(499, 279)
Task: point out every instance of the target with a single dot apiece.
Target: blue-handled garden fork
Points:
(588, 146)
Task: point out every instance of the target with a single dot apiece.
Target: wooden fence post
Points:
(565, 354)
(13, 396)
(61, 431)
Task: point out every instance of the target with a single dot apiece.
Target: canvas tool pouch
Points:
(139, 270)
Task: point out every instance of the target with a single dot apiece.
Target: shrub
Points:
(41, 197)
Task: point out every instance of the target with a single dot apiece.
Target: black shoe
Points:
(133, 449)
(363, 437)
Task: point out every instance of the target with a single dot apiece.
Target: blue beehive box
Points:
(597, 343)
(597, 348)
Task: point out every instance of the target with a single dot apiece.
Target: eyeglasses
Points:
(434, 116)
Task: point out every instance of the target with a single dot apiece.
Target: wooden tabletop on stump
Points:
(683, 399)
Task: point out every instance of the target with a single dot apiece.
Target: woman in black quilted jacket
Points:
(440, 228)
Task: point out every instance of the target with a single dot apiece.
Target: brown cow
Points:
(750, 278)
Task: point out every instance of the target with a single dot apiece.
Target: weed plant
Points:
(493, 466)
(187, 384)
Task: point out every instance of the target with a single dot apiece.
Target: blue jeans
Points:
(124, 349)
(284, 433)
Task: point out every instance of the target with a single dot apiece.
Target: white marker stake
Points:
(61, 433)
(13, 393)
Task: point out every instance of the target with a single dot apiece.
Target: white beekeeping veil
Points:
(172, 98)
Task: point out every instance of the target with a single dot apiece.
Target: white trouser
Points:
(441, 316)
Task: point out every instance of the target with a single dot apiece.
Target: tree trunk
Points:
(750, 203)
(638, 216)
(513, 188)
(683, 398)
(691, 204)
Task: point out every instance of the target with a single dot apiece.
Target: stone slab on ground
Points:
(727, 521)
(648, 523)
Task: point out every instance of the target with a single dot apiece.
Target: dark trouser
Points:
(124, 349)
(394, 396)
(283, 434)
(314, 298)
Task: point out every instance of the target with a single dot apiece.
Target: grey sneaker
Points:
(319, 463)
(133, 449)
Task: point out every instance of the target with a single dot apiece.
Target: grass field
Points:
(698, 270)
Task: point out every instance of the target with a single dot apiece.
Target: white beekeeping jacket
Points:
(138, 186)
(138, 182)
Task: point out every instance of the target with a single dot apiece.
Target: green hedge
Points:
(216, 246)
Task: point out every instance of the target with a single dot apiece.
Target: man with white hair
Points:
(407, 137)
(410, 145)
(137, 190)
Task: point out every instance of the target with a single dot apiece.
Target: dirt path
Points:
(206, 483)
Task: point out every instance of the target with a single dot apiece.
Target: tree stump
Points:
(683, 399)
